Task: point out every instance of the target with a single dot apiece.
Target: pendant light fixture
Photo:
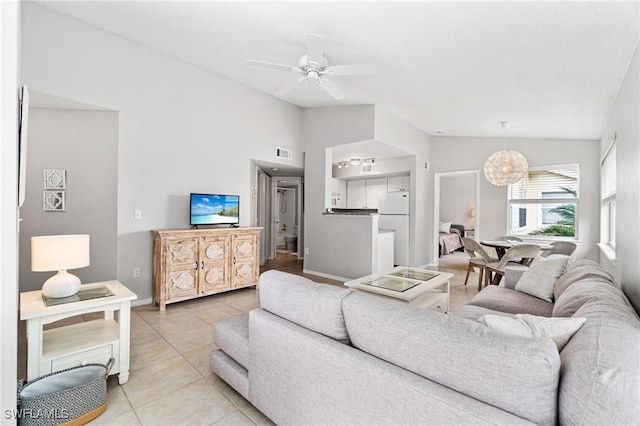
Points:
(505, 167)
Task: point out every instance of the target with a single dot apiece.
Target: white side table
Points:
(92, 341)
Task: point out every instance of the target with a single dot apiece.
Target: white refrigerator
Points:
(393, 208)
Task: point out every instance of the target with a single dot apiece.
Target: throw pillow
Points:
(560, 330)
(540, 278)
(445, 226)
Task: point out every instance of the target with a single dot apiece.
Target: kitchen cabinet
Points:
(398, 183)
(338, 193)
(373, 189)
(198, 262)
(356, 194)
(364, 193)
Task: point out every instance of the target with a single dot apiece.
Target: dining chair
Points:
(508, 238)
(479, 258)
(561, 247)
(494, 271)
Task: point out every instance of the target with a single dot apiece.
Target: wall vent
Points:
(367, 168)
(287, 154)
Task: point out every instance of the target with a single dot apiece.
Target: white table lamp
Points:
(59, 253)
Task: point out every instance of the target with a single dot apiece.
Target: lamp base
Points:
(63, 284)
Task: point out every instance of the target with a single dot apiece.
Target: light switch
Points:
(137, 214)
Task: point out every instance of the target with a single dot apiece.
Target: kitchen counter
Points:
(352, 212)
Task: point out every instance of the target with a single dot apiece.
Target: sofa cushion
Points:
(521, 372)
(474, 312)
(540, 279)
(232, 336)
(580, 270)
(230, 371)
(511, 301)
(600, 373)
(560, 330)
(317, 307)
(603, 292)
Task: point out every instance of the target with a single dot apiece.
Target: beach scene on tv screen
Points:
(211, 209)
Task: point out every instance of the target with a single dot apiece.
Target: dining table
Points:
(501, 246)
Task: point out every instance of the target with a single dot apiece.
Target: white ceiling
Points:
(553, 69)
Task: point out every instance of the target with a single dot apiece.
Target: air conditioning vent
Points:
(367, 168)
(286, 154)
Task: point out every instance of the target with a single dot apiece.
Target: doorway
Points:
(279, 211)
(287, 208)
(456, 200)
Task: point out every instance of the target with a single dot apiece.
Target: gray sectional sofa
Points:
(315, 354)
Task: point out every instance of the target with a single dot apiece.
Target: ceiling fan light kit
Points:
(505, 167)
(315, 68)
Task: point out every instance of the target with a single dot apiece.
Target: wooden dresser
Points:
(190, 263)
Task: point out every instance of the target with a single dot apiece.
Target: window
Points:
(545, 202)
(608, 196)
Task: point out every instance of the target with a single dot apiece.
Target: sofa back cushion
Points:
(517, 374)
(601, 363)
(580, 270)
(600, 374)
(317, 307)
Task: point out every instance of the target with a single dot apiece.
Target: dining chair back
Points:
(561, 247)
(526, 252)
(479, 258)
(508, 238)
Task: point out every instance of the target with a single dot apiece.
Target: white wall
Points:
(85, 145)
(9, 82)
(468, 153)
(324, 128)
(182, 129)
(457, 198)
(397, 132)
(623, 121)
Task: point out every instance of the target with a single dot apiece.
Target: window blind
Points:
(608, 175)
(559, 183)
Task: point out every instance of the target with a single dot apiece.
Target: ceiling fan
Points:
(314, 68)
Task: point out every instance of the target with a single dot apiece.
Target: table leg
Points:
(124, 320)
(34, 348)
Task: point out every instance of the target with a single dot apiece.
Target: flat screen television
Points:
(214, 209)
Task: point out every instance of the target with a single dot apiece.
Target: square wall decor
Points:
(55, 179)
(54, 201)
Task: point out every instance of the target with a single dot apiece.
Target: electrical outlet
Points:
(137, 214)
(306, 250)
(136, 272)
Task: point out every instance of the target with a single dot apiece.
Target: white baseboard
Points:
(323, 275)
(142, 302)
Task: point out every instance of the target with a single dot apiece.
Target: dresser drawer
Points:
(99, 355)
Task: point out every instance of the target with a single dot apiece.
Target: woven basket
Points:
(73, 396)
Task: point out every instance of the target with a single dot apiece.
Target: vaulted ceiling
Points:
(553, 69)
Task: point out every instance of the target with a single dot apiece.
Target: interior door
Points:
(273, 202)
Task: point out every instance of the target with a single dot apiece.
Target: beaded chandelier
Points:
(505, 167)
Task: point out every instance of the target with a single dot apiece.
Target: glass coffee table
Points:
(414, 286)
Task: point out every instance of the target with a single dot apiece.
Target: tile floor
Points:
(170, 379)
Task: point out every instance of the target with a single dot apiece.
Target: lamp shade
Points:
(59, 252)
(505, 167)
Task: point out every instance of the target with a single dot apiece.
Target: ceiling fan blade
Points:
(331, 88)
(315, 48)
(356, 69)
(289, 87)
(271, 65)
